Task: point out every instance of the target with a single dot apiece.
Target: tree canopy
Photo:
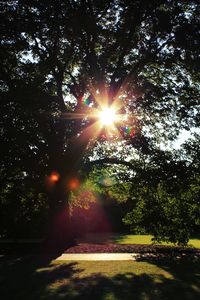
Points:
(63, 61)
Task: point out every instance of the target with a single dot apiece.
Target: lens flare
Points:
(54, 177)
(73, 184)
(51, 180)
(86, 101)
(128, 131)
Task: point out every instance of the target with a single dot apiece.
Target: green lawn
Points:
(132, 239)
(36, 278)
(145, 239)
(129, 239)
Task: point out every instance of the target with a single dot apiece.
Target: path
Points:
(97, 256)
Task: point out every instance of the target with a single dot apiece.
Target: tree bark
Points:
(59, 231)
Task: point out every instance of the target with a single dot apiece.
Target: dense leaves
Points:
(142, 55)
(170, 217)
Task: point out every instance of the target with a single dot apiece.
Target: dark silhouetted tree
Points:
(142, 55)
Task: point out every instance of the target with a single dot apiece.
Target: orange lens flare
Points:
(73, 184)
(51, 180)
(54, 177)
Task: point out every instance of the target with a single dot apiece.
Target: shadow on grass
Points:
(35, 277)
(96, 238)
(102, 238)
(118, 238)
(128, 286)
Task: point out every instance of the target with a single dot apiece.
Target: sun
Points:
(107, 116)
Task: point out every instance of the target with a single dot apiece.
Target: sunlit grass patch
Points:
(111, 268)
(194, 243)
(132, 239)
(146, 240)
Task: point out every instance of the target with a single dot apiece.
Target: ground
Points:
(129, 239)
(42, 278)
(38, 276)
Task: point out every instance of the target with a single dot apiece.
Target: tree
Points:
(160, 190)
(166, 194)
(138, 56)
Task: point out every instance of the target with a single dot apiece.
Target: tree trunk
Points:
(59, 231)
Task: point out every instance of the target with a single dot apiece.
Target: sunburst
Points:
(107, 116)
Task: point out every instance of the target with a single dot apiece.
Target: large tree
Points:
(62, 61)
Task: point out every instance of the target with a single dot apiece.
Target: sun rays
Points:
(97, 118)
(101, 117)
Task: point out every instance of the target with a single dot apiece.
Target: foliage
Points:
(140, 55)
(161, 191)
(167, 203)
(84, 195)
(23, 211)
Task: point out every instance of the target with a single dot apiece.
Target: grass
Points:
(145, 239)
(30, 277)
(195, 243)
(130, 239)
(41, 278)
